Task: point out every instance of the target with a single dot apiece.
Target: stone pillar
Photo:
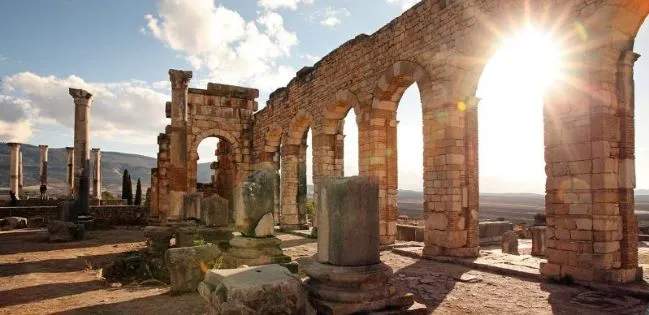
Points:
(178, 183)
(82, 103)
(14, 181)
(70, 170)
(96, 179)
(351, 279)
(20, 174)
(43, 165)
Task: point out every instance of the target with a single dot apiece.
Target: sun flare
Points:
(511, 110)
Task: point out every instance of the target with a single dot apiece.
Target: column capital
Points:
(179, 78)
(69, 149)
(95, 150)
(14, 144)
(43, 146)
(81, 97)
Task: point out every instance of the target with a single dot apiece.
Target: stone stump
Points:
(192, 206)
(215, 211)
(63, 231)
(509, 243)
(538, 241)
(269, 289)
(348, 275)
(254, 202)
(187, 266)
(158, 238)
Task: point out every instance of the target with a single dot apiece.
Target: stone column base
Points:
(556, 271)
(464, 252)
(188, 236)
(158, 238)
(252, 251)
(349, 290)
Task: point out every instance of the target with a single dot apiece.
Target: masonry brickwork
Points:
(442, 47)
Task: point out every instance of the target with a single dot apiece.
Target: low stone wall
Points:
(104, 215)
(490, 232)
(55, 202)
(410, 233)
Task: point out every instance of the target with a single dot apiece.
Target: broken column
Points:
(348, 279)
(254, 202)
(96, 179)
(70, 171)
(43, 169)
(20, 174)
(82, 102)
(14, 161)
(538, 241)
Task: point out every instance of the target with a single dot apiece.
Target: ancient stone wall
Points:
(442, 46)
(221, 111)
(104, 215)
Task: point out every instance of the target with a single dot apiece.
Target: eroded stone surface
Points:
(215, 211)
(509, 243)
(62, 231)
(187, 265)
(254, 199)
(269, 289)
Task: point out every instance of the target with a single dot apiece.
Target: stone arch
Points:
(293, 177)
(298, 127)
(378, 134)
(394, 81)
(231, 161)
(271, 158)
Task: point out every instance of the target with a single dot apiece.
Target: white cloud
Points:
(276, 4)
(218, 40)
(129, 111)
(310, 58)
(15, 119)
(329, 16)
(3, 58)
(405, 4)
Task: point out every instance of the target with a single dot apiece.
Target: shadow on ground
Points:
(79, 263)
(13, 242)
(158, 304)
(47, 291)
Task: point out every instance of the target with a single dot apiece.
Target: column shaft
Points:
(96, 179)
(14, 149)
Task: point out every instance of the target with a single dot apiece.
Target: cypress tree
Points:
(138, 193)
(129, 189)
(125, 177)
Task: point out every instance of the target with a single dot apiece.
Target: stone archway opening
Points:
(511, 147)
(295, 173)
(410, 164)
(214, 162)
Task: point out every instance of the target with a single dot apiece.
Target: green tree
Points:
(125, 183)
(107, 195)
(138, 193)
(129, 188)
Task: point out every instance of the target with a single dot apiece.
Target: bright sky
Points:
(121, 51)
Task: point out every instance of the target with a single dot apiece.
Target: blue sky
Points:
(121, 50)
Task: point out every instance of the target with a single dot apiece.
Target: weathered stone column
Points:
(82, 102)
(70, 170)
(96, 179)
(351, 279)
(178, 143)
(20, 174)
(14, 161)
(43, 165)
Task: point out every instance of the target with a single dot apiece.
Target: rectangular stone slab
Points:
(348, 219)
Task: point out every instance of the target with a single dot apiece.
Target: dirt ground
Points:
(37, 277)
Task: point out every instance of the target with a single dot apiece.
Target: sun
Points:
(528, 62)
